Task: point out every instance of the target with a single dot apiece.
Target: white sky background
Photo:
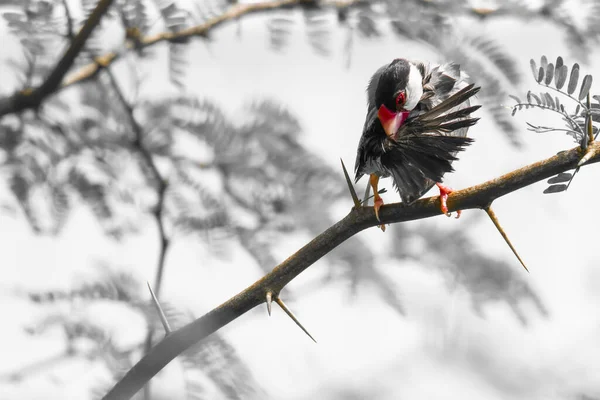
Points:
(441, 349)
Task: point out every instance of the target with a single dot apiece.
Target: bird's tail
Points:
(418, 161)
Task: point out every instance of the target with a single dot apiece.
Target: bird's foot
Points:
(377, 200)
(377, 203)
(444, 192)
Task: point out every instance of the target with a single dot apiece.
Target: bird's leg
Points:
(377, 200)
(444, 192)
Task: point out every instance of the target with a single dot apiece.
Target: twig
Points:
(358, 219)
(32, 98)
(70, 33)
(161, 187)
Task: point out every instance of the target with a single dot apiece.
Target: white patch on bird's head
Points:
(414, 88)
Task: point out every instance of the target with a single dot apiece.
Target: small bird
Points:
(417, 120)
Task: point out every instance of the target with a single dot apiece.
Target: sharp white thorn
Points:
(269, 300)
(161, 314)
(293, 317)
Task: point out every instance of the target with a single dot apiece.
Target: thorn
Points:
(494, 219)
(590, 124)
(350, 186)
(292, 316)
(590, 152)
(161, 313)
(269, 299)
(367, 195)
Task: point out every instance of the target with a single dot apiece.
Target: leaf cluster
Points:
(215, 364)
(578, 121)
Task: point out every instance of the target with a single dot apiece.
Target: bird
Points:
(418, 115)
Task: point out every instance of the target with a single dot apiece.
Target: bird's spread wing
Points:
(447, 116)
(424, 147)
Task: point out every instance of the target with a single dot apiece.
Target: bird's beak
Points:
(391, 120)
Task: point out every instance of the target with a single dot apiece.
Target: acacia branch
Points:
(479, 196)
(33, 97)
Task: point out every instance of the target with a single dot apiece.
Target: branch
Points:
(32, 98)
(479, 196)
(161, 188)
(70, 33)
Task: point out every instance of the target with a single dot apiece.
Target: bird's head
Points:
(399, 90)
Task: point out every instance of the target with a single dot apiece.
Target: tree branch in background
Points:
(161, 187)
(479, 196)
(70, 32)
(32, 98)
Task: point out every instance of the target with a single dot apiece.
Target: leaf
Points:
(549, 74)
(544, 63)
(555, 188)
(540, 75)
(537, 99)
(562, 177)
(534, 69)
(573, 79)
(585, 87)
(559, 62)
(367, 27)
(14, 16)
(560, 75)
(549, 100)
(515, 98)
(529, 96)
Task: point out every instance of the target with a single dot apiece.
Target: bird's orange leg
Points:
(377, 200)
(444, 192)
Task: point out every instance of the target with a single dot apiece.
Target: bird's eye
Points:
(400, 100)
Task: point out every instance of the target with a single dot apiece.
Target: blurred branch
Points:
(34, 368)
(161, 187)
(32, 98)
(70, 33)
(161, 184)
(479, 196)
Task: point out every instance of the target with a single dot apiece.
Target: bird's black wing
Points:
(423, 149)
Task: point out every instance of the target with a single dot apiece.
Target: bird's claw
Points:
(444, 192)
(377, 203)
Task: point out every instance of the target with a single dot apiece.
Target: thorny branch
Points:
(479, 196)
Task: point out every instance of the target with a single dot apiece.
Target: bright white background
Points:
(441, 349)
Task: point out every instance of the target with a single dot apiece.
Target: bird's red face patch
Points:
(391, 120)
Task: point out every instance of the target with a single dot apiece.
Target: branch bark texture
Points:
(479, 196)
